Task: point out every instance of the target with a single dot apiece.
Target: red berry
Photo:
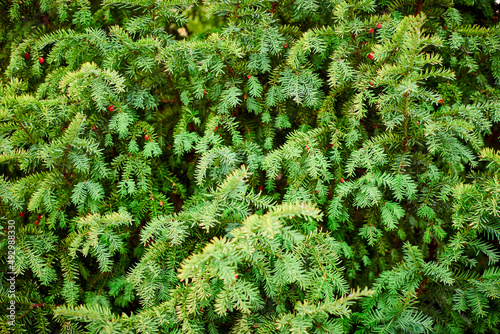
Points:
(202, 310)
(249, 76)
(379, 25)
(39, 217)
(255, 325)
(342, 180)
(111, 108)
(370, 56)
(146, 137)
(285, 46)
(21, 214)
(94, 128)
(444, 28)
(261, 188)
(216, 128)
(307, 147)
(204, 92)
(440, 101)
(161, 203)
(371, 83)
(41, 60)
(26, 55)
(371, 31)
(235, 276)
(36, 222)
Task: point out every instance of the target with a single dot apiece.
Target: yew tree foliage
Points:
(251, 166)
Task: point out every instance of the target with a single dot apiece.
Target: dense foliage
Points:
(251, 166)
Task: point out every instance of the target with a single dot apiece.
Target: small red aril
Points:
(342, 180)
(371, 83)
(371, 31)
(261, 188)
(94, 128)
(440, 101)
(216, 128)
(161, 203)
(204, 92)
(307, 147)
(36, 223)
(111, 108)
(379, 25)
(26, 55)
(285, 46)
(248, 77)
(371, 56)
(146, 137)
(40, 217)
(41, 60)
(21, 214)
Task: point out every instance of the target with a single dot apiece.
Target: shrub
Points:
(250, 166)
